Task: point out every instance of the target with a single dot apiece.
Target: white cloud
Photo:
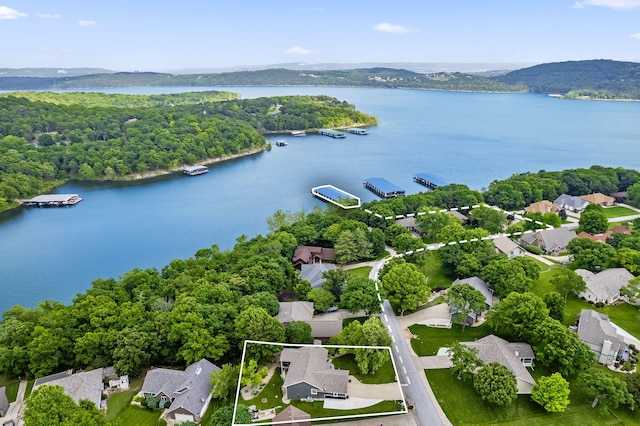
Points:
(636, 36)
(613, 4)
(8, 13)
(386, 27)
(297, 50)
(86, 23)
(47, 16)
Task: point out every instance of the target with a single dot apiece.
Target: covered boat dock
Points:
(195, 170)
(336, 196)
(332, 133)
(383, 188)
(357, 131)
(429, 181)
(54, 200)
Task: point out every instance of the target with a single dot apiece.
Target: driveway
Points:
(384, 392)
(435, 315)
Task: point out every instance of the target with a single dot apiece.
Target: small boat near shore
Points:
(195, 170)
(298, 133)
(281, 143)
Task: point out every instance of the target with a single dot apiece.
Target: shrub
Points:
(534, 249)
(599, 304)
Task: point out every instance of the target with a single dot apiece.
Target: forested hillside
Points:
(43, 143)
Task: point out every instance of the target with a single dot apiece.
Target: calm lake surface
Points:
(469, 138)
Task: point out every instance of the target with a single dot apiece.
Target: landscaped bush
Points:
(599, 305)
(534, 249)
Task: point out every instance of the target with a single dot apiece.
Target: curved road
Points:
(425, 412)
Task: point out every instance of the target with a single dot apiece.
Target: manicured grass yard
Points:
(362, 271)
(430, 339)
(119, 407)
(317, 410)
(11, 387)
(618, 211)
(432, 268)
(348, 362)
(272, 392)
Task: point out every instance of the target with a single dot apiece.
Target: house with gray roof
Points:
(323, 325)
(595, 330)
(605, 285)
(505, 245)
(516, 356)
(483, 288)
(312, 272)
(4, 402)
(551, 241)
(570, 202)
(310, 375)
(79, 385)
(188, 392)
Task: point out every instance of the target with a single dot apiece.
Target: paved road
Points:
(414, 384)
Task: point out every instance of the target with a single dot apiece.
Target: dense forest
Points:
(48, 138)
(590, 79)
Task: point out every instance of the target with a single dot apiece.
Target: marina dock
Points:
(298, 133)
(54, 200)
(337, 196)
(427, 180)
(195, 170)
(332, 133)
(357, 131)
(383, 188)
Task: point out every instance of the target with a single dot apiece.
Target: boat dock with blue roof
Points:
(429, 181)
(195, 170)
(357, 131)
(332, 133)
(336, 196)
(383, 188)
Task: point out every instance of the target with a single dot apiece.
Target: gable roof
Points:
(570, 201)
(81, 385)
(605, 235)
(4, 401)
(594, 328)
(313, 273)
(295, 311)
(598, 198)
(309, 364)
(505, 245)
(479, 285)
(605, 285)
(305, 254)
(322, 325)
(544, 206)
(551, 239)
(190, 387)
(292, 413)
(492, 348)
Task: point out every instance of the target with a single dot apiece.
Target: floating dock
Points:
(195, 170)
(54, 200)
(298, 133)
(357, 131)
(332, 133)
(281, 143)
(383, 188)
(336, 196)
(429, 181)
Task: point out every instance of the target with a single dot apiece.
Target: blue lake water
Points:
(469, 138)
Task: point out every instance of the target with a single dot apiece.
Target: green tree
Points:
(256, 324)
(632, 290)
(520, 313)
(568, 282)
(360, 294)
(224, 382)
(321, 298)
(433, 221)
(506, 276)
(605, 389)
(463, 300)
(496, 384)
(559, 348)
(251, 374)
(552, 392)
(50, 406)
(555, 303)
(298, 332)
(302, 289)
(464, 359)
(334, 281)
(487, 218)
(371, 333)
(405, 286)
(593, 219)
(224, 416)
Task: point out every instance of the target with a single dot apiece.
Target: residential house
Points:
(599, 198)
(604, 286)
(603, 237)
(292, 416)
(483, 288)
(570, 202)
(313, 272)
(595, 330)
(505, 245)
(459, 215)
(310, 254)
(186, 392)
(620, 197)
(516, 356)
(79, 385)
(323, 325)
(4, 402)
(542, 207)
(410, 223)
(551, 241)
(308, 374)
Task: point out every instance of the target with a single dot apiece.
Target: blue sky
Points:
(159, 35)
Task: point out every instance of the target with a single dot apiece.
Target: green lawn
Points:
(119, 408)
(463, 406)
(618, 211)
(624, 315)
(317, 410)
(432, 268)
(384, 375)
(430, 339)
(362, 271)
(11, 387)
(272, 393)
(542, 285)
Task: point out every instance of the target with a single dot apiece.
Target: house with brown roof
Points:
(603, 237)
(186, 393)
(516, 356)
(599, 198)
(292, 416)
(310, 375)
(79, 385)
(543, 207)
(311, 254)
(604, 286)
(596, 330)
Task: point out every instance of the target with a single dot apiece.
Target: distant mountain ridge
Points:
(591, 79)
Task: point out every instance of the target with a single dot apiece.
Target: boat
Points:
(281, 143)
(195, 170)
(298, 133)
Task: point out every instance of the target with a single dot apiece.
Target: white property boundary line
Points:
(332, 201)
(351, 416)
